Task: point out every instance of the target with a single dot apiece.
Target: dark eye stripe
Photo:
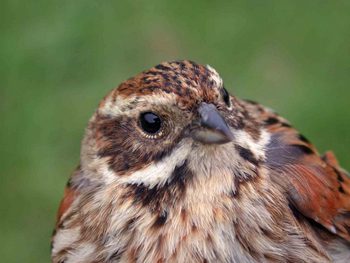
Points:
(117, 144)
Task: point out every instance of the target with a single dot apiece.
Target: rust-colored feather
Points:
(316, 185)
(68, 198)
(69, 195)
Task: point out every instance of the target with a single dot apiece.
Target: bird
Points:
(175, 169)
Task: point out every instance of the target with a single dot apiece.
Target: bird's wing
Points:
(70, 194)
(315, 185)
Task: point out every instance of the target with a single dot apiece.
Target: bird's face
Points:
(173, 114)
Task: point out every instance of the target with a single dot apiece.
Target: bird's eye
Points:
(226, 96)
(150, 122)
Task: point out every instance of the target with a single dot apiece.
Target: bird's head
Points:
(174, 115)
(173, 168)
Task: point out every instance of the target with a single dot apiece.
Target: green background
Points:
(59, 58)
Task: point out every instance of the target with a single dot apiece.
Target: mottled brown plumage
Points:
(173, 169)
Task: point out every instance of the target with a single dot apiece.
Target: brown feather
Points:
(315, 185)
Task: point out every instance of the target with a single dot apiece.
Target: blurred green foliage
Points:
(59, 58)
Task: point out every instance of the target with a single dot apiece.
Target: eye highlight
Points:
(150, 122)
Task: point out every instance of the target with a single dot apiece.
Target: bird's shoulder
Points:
(315, 185)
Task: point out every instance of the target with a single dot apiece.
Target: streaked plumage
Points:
(223, 180)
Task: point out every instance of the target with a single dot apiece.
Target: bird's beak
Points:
(210, 128)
